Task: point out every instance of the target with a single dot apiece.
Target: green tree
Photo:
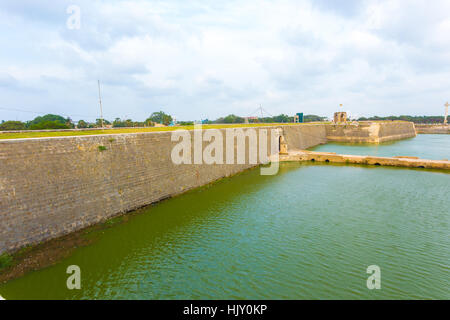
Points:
(281, 118)
(47, 118)
(187, 123)
(139, 124)
(129, 123)
(69, 123)
(48, 125)
(230, 119)
(12, 125)
(82, 124)
(160, 117)
(98, 122)
(415, 119)
(312, 118)
(118, 123)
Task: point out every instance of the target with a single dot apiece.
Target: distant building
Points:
(251, 119)
(298, 118)
(340, 117)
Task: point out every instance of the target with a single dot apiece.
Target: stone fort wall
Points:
(433, 128)
(370, 132)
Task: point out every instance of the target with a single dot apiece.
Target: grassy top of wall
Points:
(84, 132)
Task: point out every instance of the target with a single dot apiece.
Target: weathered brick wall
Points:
(433, 128)
(52, 186)
(304, 136)
(370, 132)
(396, 131)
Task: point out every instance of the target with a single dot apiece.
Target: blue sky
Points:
(206, 59)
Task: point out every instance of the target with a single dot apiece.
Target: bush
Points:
(47, 117)
(12, 125)
(50, 121)
(82, 124)
(230, 119)
(187, 123)
(160, 117)
(49, 125)
(5, 260)
(118, 123)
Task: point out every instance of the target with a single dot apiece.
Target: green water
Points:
(309, 232)
(426, 146)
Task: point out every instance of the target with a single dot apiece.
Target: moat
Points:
(309, 232)
(434, 147)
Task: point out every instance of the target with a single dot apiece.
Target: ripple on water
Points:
(308, 233)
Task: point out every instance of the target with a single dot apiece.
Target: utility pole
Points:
(446, 112)
(100, 101)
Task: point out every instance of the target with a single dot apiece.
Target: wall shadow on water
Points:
(143, 231)
(371, 167)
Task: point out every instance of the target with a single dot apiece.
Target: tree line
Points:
(52, 121)
(415, 119)
(282, 118)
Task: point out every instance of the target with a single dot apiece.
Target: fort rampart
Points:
(433, 128)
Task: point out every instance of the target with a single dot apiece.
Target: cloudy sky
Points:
(204, 59)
